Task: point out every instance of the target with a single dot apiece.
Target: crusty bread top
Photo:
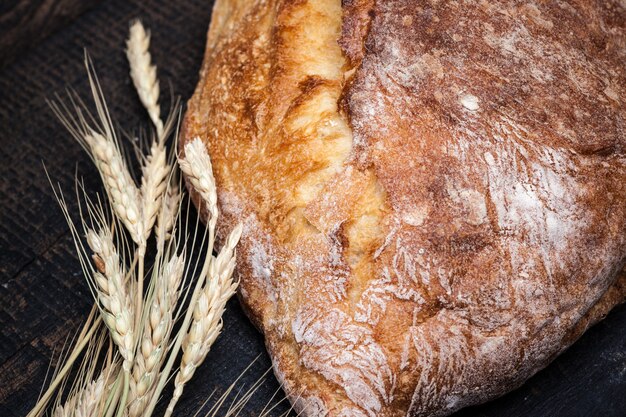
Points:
(433, 192)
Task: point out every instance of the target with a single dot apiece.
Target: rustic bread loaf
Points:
(433, 192)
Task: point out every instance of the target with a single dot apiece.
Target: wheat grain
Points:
(197, 165)
(143, 73)
(158, 327)
(207, 315)
(115, 303)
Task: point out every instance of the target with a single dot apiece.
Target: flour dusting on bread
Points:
(433, 193)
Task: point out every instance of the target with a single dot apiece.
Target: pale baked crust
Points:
(433, 192)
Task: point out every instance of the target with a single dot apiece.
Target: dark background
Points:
(43, 296)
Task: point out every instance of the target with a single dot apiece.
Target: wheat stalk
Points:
(141, 332)
(201, 323)
(143, 73)
(115, 304)
(155, 169)
(87, 395)
(98, 137)
(207, 315)
(197, 165)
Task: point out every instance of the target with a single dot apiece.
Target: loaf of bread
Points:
(433, 193)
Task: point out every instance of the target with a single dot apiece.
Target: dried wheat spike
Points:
(167, 215)
(207, 315)
(143, 73)
(156, 334)
(196, 164)
(120, 186)
(115, 302)
(154, 172)
(86, 402)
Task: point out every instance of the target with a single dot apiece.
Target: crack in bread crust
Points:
(433, 193)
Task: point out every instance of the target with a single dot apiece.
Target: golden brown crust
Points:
(354, 27)
(433, 194)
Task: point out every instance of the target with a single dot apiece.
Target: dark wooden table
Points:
(43, 296)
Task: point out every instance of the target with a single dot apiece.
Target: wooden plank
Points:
(23, 23)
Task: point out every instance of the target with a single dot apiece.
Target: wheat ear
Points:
(197, 166)
(112, 292)
(86, 402)
(120, 186)
(144, 74)
(154, 173)
(167, 215)
(98, 137)
(156, 334)
(207, 315)
(154, 168)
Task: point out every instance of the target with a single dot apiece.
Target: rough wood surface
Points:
(43, 298)
(25, 22)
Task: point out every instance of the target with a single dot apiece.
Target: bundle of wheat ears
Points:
(156, 314)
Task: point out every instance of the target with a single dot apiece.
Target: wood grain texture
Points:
(43, 297)
(23, 23)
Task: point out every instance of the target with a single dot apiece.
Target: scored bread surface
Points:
(433, 193)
